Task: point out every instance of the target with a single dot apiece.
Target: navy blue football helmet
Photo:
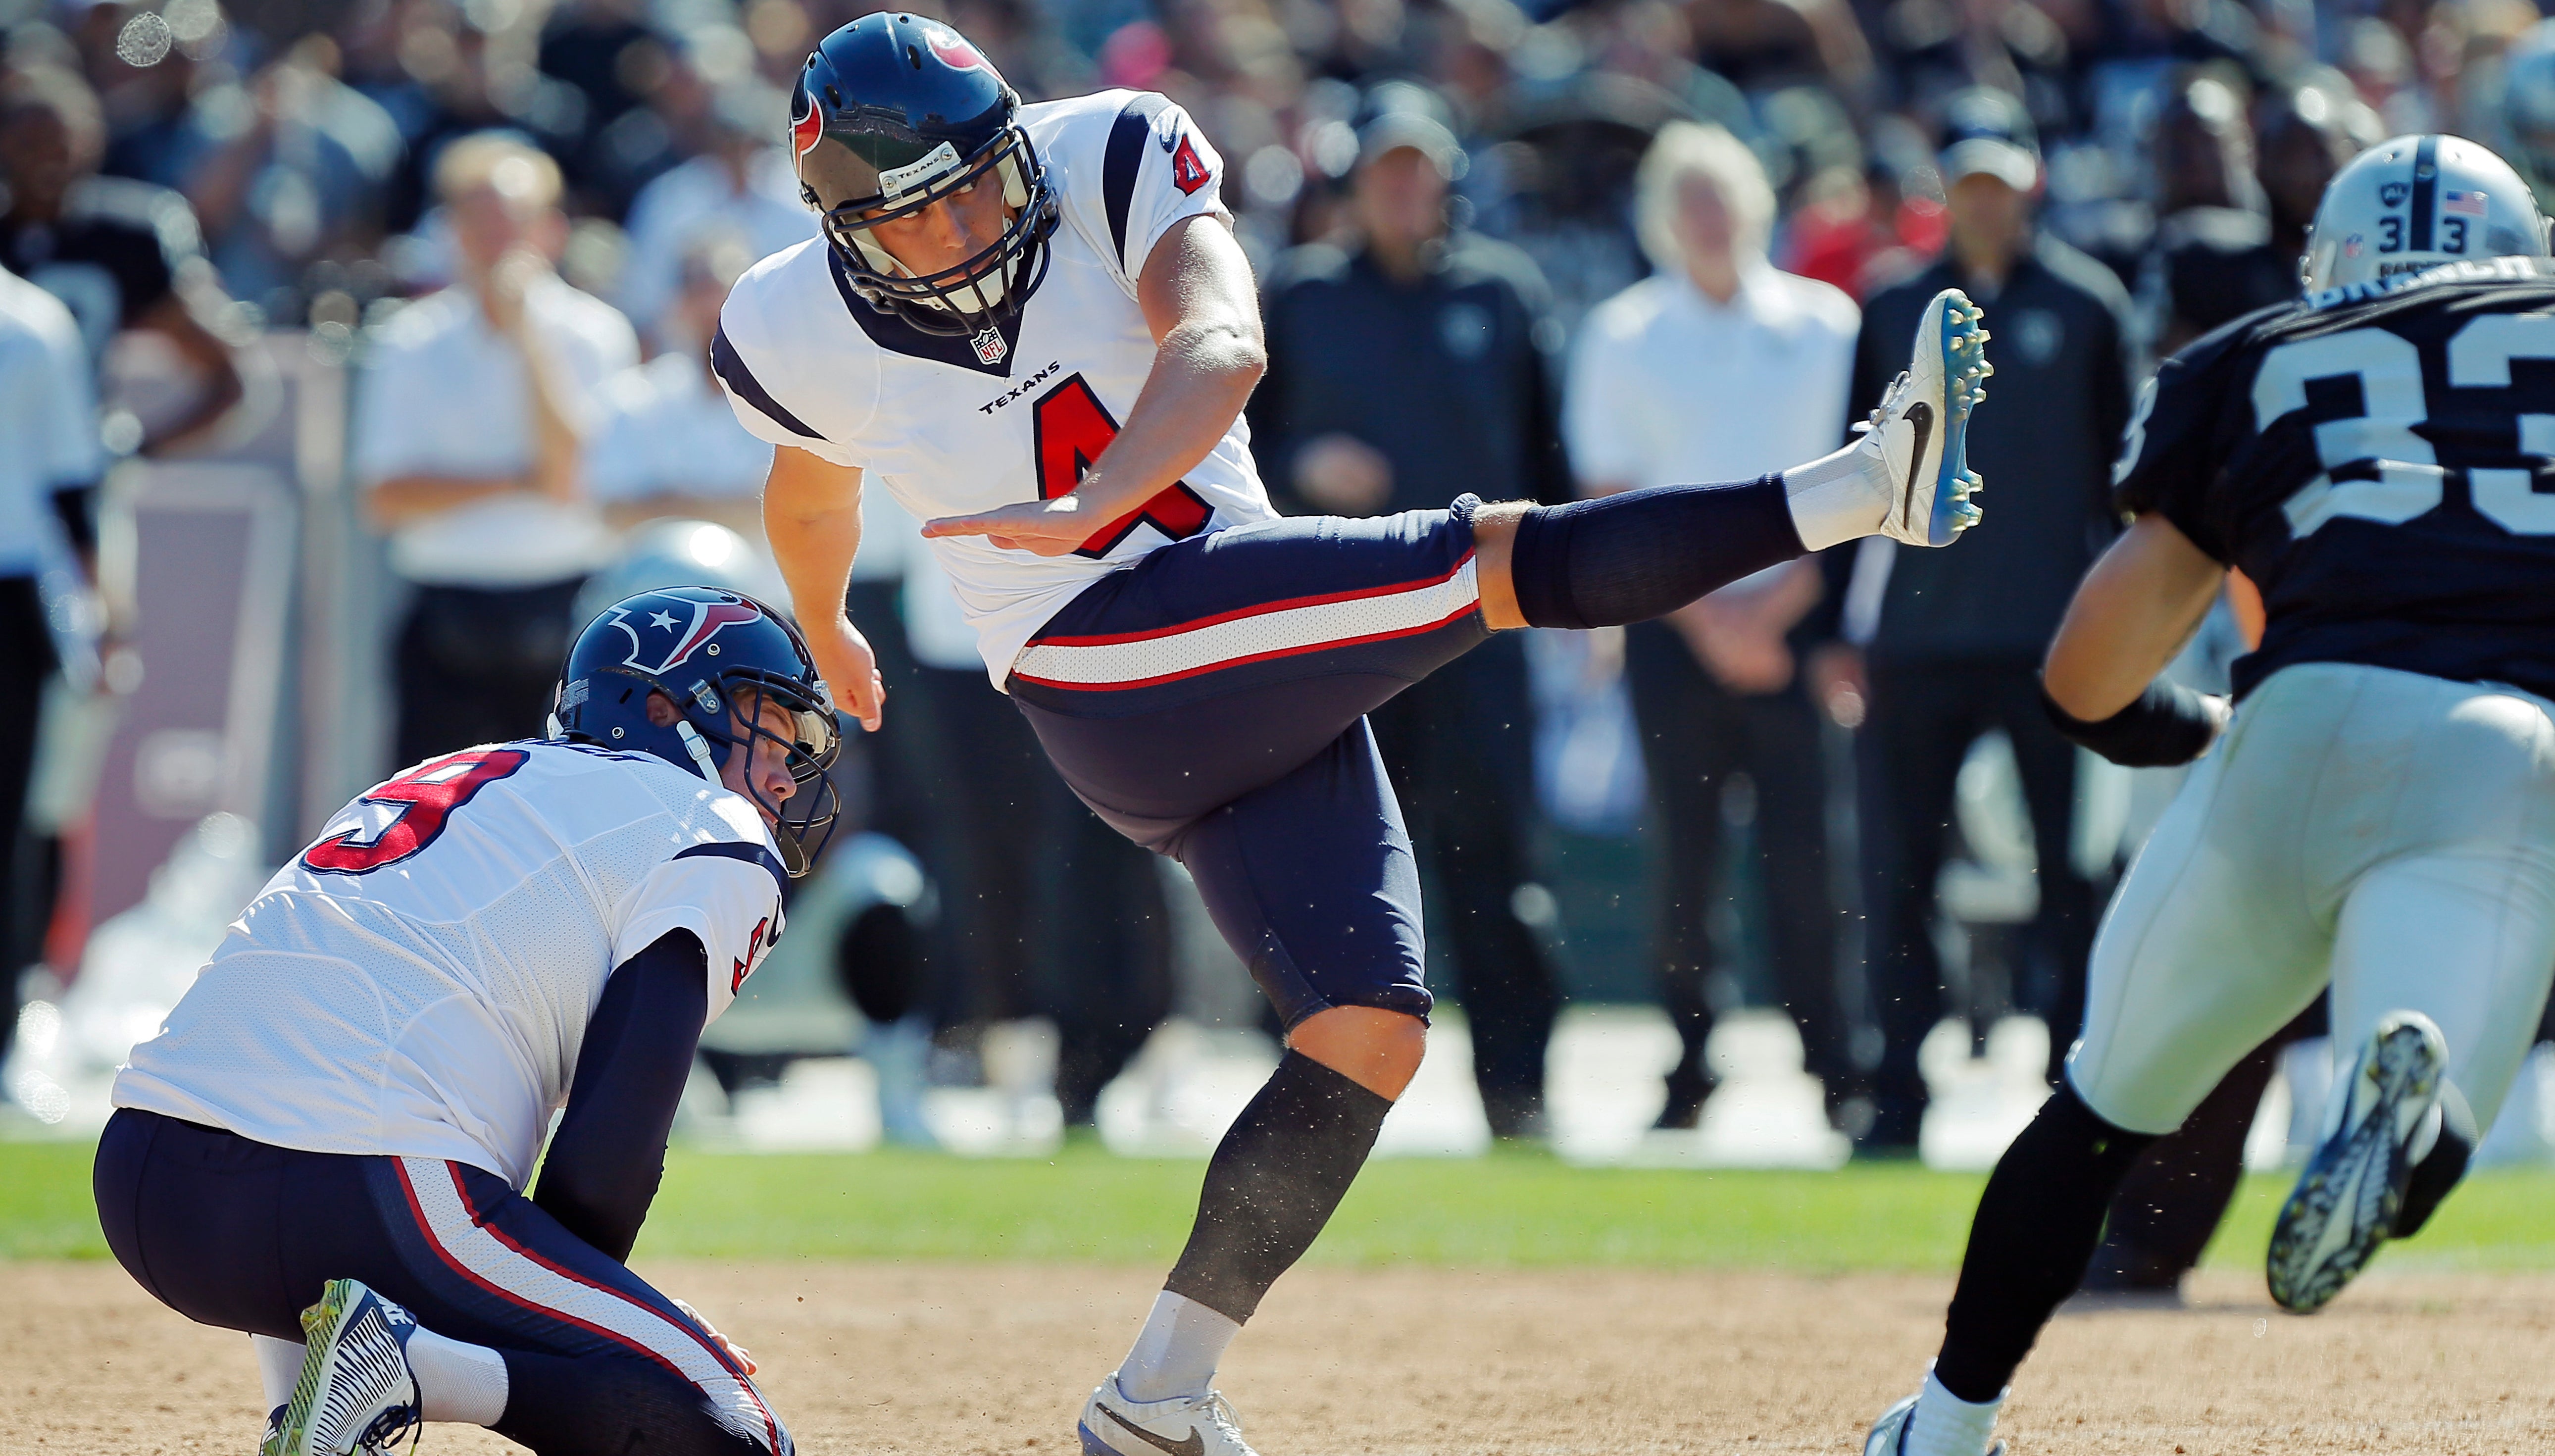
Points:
(717, 657)
(893, 113)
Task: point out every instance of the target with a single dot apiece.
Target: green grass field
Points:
(1510, 1210)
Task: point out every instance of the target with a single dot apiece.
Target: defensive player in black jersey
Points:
(2378, 812)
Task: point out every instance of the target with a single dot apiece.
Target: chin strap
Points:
(699, 748)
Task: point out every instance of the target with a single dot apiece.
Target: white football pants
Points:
(2389, 832)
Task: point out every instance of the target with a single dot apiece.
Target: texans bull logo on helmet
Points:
(952, 47)
(661, 640)
(807, 125)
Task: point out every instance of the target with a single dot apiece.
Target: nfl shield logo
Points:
(989, 347)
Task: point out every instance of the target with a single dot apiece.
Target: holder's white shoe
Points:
(356, 1396)
(1922, 430)
(1191, 1425)
(2346, 1202)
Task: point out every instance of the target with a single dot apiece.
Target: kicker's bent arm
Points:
(811, 514)
(1202, 307)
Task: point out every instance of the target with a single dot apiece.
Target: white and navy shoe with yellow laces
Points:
(356, 1396)
(2351, 1196)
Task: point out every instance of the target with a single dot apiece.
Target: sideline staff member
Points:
(1717, 367)
(470, 421)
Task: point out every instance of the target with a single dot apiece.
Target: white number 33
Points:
(2409, 474)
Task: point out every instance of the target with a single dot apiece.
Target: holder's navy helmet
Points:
(893, 113)
(721, 659)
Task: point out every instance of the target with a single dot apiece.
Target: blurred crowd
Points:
(1533, 252)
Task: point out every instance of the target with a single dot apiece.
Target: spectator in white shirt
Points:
(50, 464)
(1717, 367)
(469, 419)
(743, 186)
(666, 441)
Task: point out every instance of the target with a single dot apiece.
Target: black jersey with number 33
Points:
(2381, 460)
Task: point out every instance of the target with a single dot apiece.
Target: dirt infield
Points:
(955, 1361)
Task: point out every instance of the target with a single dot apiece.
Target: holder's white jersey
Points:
(418, 982)
(954, 425)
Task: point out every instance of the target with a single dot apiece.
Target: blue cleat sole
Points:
(1965, 371)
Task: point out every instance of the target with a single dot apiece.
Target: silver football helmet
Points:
(2416, 202)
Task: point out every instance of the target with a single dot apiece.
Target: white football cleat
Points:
(2346, 1202)
(1922, 430)
(1184, 1425)
(356, 1396)
(1888, 1435)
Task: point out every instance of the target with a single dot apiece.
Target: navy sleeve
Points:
(2169, 449)
(610, 1151)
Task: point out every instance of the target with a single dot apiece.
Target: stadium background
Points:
(1597, 1288)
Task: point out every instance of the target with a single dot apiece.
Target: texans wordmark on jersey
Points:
(2380, 462)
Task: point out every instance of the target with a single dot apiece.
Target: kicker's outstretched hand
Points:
(1041, 528)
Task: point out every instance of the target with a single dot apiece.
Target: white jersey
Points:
(418, 982)
(953, 426)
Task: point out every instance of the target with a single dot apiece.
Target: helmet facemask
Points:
(717, 725)
(957, 300)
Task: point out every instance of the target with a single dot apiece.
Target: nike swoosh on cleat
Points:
(1921, 415)
(1195, 1445)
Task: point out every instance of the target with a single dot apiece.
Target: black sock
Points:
(1273, 1183)
(2036, 1228)
(2172, 1200)
(2442, 1168)
(1643, 553)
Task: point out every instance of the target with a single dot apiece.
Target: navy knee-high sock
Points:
(1274, 1181)
(2036, 1227)
(1643, 553)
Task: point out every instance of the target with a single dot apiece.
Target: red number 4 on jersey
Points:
(1188, 174)
(1071, 427)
